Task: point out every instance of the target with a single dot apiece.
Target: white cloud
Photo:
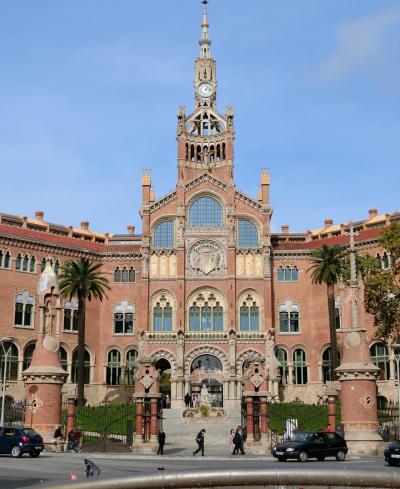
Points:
(360, 44)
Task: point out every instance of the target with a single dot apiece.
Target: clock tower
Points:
(205, 137)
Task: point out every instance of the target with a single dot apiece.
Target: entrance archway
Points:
(207, 370)
(165, 369)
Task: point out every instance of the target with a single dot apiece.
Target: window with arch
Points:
(247, 234)
(282, 356)
(55, 264)
(131, 357)
(386, 260)
(124, 318)
(380, 357)
(289, 317)
(288, 274)
(249, 314)
(28, 353)
(162, 316)
(299, 367)
(63, 355)
(124, 274)
(25, 263)
(163, 235)
(206, 313)
(205, 211)
(86, 367)
(24, 309)
(12, 361)
(5, 259)
(327, 364)
(71, 316)
(113, 376)
(337, 313)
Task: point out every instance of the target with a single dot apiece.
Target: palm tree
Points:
(82, 279)
(327, 268)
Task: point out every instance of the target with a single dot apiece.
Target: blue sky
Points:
(89, 91)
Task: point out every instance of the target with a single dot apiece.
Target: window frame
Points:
(28, 308)
(244, 234)
(195, 218)
(164, 239)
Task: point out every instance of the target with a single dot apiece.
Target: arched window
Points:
(124, 318)
(288, 274)
(4, 259)
(249, 314)
(42, 265)
(75, 367)
(18, 262)
(25, 263)
(206, 312)
(62, 352)
(28, 355)
(299, 367)
(23, 316)
(327, 365)
(380, 357)
(247, 234)
(124, 274)
(56, 267)
(71, 316)
(113, 367)
(289, 318)
(131, 357)
(281, 355)
(12, 361)
(32, 264)
(162, 317)
(205, 211)
(163, 236)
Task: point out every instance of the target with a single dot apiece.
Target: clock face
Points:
(205, 89)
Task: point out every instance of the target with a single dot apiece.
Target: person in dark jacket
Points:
(187, 399)
(200, 442)
(161, 442)
(237, 442)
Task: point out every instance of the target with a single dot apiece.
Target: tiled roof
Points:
(333, 240)
(50, 238)
(122, 248)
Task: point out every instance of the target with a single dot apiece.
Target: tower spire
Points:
(205, 43)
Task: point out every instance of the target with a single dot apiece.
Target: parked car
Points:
(18, 441)
(392, 453)
(317, 445)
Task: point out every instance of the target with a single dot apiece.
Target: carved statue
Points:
(206, 257)
(49, 319)
(204, 396)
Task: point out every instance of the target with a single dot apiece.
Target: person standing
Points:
(187, 399)
(200, 442)
(237, 442)
(58, 438)
(161, 442)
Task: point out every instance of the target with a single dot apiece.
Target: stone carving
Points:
(204, 396)
(147, 381)
(272, 364)
(49, 318)
(256, 380)
(206, 258)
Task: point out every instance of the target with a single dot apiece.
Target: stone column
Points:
(263, 414)
(153, 420)
(331, 413)
(249, 418)
(71, 404)
(139, 421)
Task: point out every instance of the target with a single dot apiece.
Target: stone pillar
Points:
(263, 414)
(71, 404)
(139, 421)
(153, 420)
(45, 377)
(249, 418)
(331, 413)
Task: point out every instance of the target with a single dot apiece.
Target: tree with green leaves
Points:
(327, 268)
(382, 286)
(82, 279)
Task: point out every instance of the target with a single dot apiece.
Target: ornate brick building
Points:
(203, 288)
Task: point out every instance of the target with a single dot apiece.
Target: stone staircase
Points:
(182, 431)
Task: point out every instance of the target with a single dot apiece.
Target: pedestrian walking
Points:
(230, 437)
(237, 442)
(58, 438)
(187, 399)
(200, 442)
(244, 438)
(161, 442)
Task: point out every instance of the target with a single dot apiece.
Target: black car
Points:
(317, 445)
(392, 453)
(17, 441)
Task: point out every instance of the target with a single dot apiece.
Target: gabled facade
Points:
(204, 288)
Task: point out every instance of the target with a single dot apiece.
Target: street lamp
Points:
(6, 339)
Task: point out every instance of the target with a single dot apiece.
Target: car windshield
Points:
(29, 432)
(302, 437)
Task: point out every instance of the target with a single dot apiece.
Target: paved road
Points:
(54, 467)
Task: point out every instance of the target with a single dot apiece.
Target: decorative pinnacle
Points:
(204, 42)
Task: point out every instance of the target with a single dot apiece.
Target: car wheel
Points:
(16, 451)
(303, 457)
(34, 454)
(392, 463)
(281, 459)
(321, 458)
(341, 455)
